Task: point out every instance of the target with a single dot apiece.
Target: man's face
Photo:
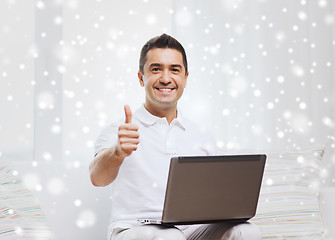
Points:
(163, 78)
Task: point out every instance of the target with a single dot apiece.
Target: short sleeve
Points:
(107, 138)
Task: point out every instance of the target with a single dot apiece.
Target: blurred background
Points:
(262, 73)
(262, 79)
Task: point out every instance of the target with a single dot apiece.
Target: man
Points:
(135, 154)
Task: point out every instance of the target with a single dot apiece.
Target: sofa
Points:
(56, 200)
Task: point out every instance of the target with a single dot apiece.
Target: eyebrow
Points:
(160, 65)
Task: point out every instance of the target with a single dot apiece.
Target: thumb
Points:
(128, 113)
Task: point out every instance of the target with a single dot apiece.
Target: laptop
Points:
(209, 189)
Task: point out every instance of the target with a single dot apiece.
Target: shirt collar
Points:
(148, 119)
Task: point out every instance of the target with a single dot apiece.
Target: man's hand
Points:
(128, 135)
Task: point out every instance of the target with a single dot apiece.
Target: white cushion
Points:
(20, 214)
(288, 207)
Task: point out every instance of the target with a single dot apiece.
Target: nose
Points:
(165, 78)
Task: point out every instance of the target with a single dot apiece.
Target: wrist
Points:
(118, 153)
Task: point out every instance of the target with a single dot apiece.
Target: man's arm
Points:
(106, 164)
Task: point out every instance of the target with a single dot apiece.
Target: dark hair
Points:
(162, 41)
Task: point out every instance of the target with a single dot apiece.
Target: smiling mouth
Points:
(165, 90)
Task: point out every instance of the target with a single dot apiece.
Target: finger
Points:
(128, 113)
(125, 141)
(128, 148)
(128, 127)
(128, 134)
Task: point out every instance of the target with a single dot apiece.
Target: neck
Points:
(169, 113)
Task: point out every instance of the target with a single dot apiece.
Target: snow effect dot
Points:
(46, 100)
(280, 36)
(87, 218)
(90, 143)
(47, 156)
(230, 145)
(280, 79)
(77, 202)
(300, 122)
(257, 129)
(61, 69)
(333, 159)
(72, 4)
(270, 105)
(225, 112)
(76, 164)
(33, 52)
(40, 5)
(324, 173)
(269, 182)
(298, 71)
(55, 186)
(79, 104)
(220, 144)
(69, 94)
(151, 19)
(302, 16)
(86, 129)
(183, 18)
(18, 230)
(329, 19)
(30, 180)
(323, 3)
(300, 159)
(287, 114)
(302, 105)
(231, 5)
(58, 20)
(280, 134)
(328, 122)
(237, 86)
(56, 128)
(257, 92)
(239, 29)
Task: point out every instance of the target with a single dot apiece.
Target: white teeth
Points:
(165, 89)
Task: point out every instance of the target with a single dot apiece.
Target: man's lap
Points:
(231, 231)
(148, 232)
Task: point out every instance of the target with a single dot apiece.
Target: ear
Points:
(186, 77)
(140, 78)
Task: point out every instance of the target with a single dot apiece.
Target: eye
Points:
(155, 69)
(176, 70)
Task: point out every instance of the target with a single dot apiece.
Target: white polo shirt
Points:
(139, 189)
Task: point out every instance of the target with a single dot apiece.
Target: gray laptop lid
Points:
(213, 188)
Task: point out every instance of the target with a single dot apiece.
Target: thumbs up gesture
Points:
(128, 135)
